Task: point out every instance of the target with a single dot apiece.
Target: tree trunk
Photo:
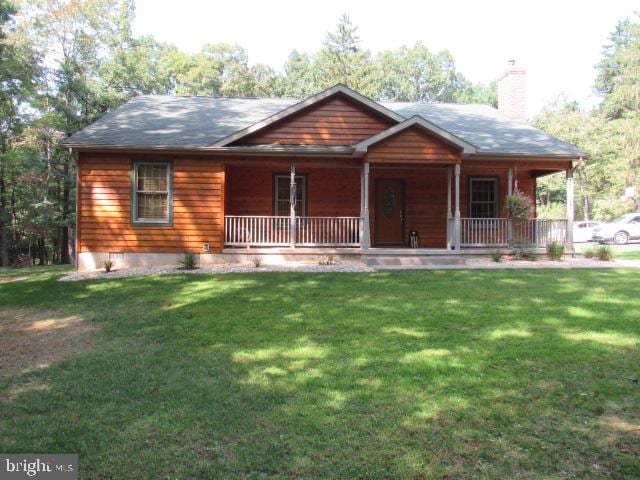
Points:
(582, 176)
(65, 257)
(4, 221)
(42, 250)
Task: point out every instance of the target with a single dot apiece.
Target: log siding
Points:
(105, 203)
(413, 145)
(337, 121)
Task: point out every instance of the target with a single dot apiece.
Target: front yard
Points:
(416, 374)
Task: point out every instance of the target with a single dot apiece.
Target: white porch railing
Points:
(327, 231)
(503, 232)
(256, 231)
(269, 231)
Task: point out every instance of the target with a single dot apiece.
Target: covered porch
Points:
(355, 206)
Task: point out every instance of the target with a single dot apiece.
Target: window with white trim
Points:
(152, 192)
(281, 198)
(483, 197)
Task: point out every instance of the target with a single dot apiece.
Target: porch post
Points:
(365, 240)
(449, 208)
(570, 208)
(292, 209)
(456, 227)
(510, 192)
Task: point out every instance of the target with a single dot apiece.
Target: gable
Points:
(413, 145)
(336, 121)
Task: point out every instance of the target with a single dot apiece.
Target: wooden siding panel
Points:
(413, 146)
(105, 207)
(425, 203)
(330, 191)
(337, 121)
(523, 173)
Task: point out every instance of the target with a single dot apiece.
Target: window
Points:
(152, 193)
(281, 200)
(483, 197)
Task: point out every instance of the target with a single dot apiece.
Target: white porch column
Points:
(570, 208)
(365, 239)
(510, 180)
(449, 212)
(292, 208)
(456, 225)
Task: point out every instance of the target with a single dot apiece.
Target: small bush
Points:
(525, 254)
(257, 262)
(108, 265)
(189, 261)
(589, 253)
(328, 260)
(555, 251)
(497, 256)
(604, 253)
(519, 206)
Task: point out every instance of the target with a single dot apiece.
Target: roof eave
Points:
(528, 155)
(319, 151)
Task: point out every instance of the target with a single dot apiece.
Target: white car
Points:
(583, 231)
(620, 231)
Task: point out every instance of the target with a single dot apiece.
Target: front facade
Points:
(334, 173)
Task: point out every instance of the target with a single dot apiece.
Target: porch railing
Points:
(269, 231)
(503, 232)
(256, 230)
(328, 231)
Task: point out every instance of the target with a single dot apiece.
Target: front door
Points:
(389, 217)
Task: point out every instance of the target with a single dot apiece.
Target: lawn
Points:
(624, 252)
(416, 374)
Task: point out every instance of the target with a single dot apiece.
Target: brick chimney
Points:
(512, 92)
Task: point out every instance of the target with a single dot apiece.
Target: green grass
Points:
(417, 374)
(629, 252)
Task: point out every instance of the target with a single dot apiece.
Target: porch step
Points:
(412, 260)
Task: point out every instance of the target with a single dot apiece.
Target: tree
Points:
(18, 67)
(618, 71)
(341, 60)
(611, 133)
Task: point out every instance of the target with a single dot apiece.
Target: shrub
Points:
(589, 253)
(497, 256)
(328, 260)
(604, 253)
(257, 262)
(108, 265)
(525, 254)
(519, 206)
(189, 261)
(555, 251)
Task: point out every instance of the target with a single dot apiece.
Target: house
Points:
(336, 172)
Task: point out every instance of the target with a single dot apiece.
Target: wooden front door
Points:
(389, 217)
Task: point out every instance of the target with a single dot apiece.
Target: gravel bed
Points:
(470, 263)
(227, 268)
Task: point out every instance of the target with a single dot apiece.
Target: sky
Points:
(558, 41)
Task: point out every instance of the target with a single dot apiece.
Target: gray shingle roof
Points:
(195, 122)
(487, 129)
(171, 121)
